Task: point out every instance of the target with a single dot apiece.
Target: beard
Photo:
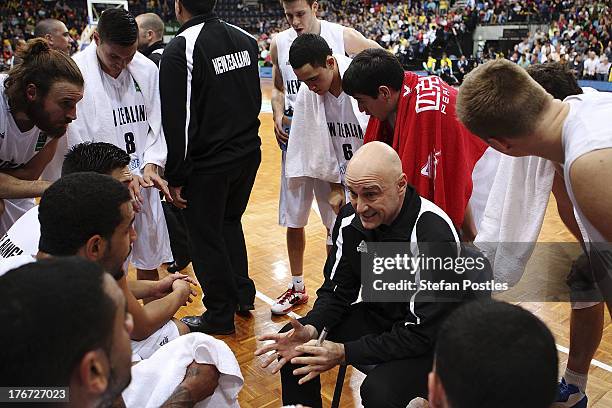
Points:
(116, 385)
(112, 264)
(37, 114)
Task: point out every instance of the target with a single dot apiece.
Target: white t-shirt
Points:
(23, 237)
(129, 115)
(344, 128)
(586, 129)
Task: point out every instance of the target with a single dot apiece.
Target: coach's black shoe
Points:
(244, 310)
(198, 324)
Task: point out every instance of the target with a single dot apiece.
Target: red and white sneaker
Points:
(288, 300)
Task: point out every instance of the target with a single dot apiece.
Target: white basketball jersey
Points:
(23, 237)
(16, 147)
(345, 130)
(331, 32)
(585, 130)
(129, 116)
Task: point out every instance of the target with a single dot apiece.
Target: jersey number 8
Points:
(130, 146)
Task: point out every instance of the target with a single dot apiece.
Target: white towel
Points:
(514, 214)
(482, 182)
(94, 119)
(156, 378)
(310, 152)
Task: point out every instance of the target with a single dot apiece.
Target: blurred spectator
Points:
(463, 67)
(430, 65)
(523, 61)
(603, 68)
(590, 66)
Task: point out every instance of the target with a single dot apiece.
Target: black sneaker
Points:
(198, 324)
(176, 268)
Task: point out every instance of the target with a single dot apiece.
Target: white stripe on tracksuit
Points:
(191, 34)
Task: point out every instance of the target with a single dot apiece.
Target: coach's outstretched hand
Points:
(284, 345)
(318, 359)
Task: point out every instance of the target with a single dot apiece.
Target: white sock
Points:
(577, 379)
(298, 283)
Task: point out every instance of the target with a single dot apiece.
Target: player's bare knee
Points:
(182, 327)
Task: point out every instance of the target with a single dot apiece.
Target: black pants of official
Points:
(177, 231)
(215, 204)
(390, 384)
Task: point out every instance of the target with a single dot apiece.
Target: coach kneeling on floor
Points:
(396, 336)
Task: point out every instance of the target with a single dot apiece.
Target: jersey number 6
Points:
(348, 151)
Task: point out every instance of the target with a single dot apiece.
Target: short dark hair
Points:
(45, 26)
(99, 157)
(41, 66)
(504, 349)
(371, 69)
(118, 26)
(66, 299)
(77, 207)
(197, 7)
(309, 49)
(310, 2)
(556, 78)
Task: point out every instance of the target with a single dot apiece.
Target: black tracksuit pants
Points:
(215, 204)
(390, 384)
(177, 231)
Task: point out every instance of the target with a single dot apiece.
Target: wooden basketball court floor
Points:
(269, 268)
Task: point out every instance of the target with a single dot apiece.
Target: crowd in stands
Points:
(18, 18)
(580, 34)
(408, 29)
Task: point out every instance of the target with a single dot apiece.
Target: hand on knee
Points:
(201, 380)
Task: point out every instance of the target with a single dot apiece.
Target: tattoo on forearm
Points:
(180, 398)
(192, 371)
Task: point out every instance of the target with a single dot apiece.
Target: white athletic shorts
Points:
(13, 210)
(152, 246)
(296, 201)
(143, 349)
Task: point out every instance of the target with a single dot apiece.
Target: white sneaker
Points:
(288, 300)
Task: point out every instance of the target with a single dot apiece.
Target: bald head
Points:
(376, 183)
(375, 159)
(56, 34)
(150, 29)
